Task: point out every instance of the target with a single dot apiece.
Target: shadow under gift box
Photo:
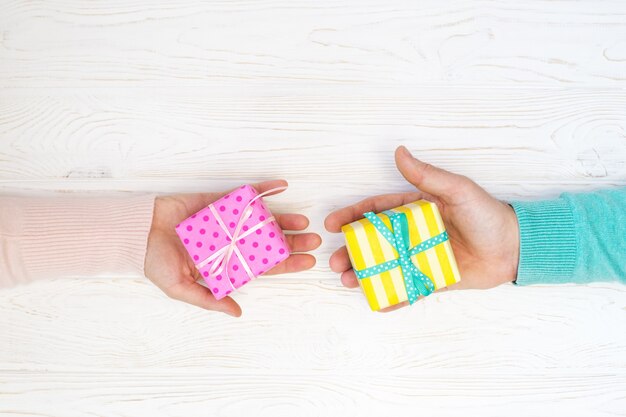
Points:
(261, 244)
(368, 248)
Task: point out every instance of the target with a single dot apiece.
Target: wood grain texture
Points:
(225, 394)
(527, 98)
(119, 347)
(563, 134)
(316, 332)
(533, 42)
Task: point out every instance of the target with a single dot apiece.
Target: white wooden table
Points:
(526, 97)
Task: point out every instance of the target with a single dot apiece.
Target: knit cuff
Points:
(548, 244)
(80, 235)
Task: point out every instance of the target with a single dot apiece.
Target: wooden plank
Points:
(293, 324)
(436, 393)
(514, 135)
(73, 44)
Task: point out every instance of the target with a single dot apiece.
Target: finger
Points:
(295, 263)
(349, 279)
(346, 215)
(264, 186)
(303, 242)
(200, 296)
(340, 261)
(430, 179)
(292, 221)
(394, 307)
(461, 285)
(406, 303)
(197, 201)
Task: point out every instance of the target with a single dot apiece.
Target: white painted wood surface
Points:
(526, 97)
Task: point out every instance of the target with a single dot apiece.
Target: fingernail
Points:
(404, 151)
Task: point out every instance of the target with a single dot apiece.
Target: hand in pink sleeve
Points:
(169, 266)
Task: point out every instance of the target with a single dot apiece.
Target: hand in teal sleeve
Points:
(483, 230)
(576, 238)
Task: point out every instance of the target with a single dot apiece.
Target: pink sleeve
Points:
(70, 235)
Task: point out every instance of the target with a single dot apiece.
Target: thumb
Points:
(196, 294)
(430, 179)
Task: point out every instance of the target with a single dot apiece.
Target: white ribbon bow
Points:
(222, 256)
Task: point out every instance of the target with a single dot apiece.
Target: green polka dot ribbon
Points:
(416, 282)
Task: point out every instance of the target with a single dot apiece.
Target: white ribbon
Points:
(222, 256)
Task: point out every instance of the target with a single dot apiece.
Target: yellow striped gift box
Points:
(367, 248)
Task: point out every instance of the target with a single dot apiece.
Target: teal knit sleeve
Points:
(576, 238)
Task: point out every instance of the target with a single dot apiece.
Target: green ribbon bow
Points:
(416, 282)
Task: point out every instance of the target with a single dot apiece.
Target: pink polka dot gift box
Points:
(233, 240)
